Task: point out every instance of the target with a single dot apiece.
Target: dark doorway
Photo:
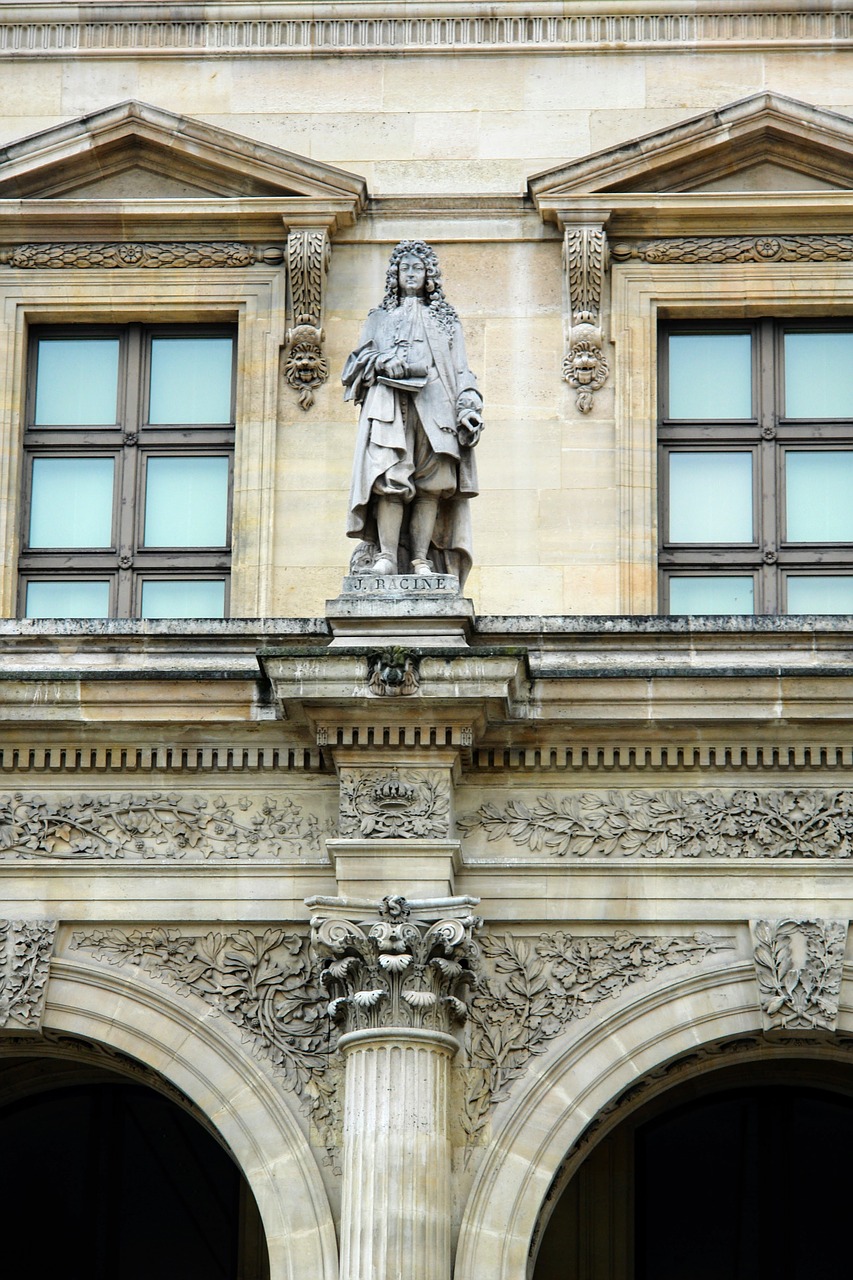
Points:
(113, 1181)
(743, 1174)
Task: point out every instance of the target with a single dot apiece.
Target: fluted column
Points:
(398, 982)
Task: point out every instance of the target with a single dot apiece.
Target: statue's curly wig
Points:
(439, 308)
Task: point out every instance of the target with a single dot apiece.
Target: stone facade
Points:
(412, 898)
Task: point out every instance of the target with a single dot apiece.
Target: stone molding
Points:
(379, 804)
(653, 756)
(25, 950)
(778, 823)
(407, 965)
(766, 248)
(152, 254)
(798, 967)
(123, 758)
(106, 31)
(309, 253)
(585, 258)
(262, 981)
(157, 826)
(531, 988)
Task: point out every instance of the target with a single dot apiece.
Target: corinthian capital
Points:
(397, 964)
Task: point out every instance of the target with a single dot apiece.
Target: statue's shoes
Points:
(422, 567)
(383, 565)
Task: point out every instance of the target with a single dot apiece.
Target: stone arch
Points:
(573, 1085)
(183, 1042)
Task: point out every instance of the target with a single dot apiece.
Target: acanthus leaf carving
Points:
(803, 822)
(306, 367)
(585, 258)
(398, 969)
(263, 982)
(25, 950)
(179, 253)
(798, 966)
(155, 824)
(381, 805)
(530, 989)
(764, 248)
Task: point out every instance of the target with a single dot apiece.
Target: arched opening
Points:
(743, 1171)
(113, 1175)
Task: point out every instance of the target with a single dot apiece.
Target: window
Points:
(128, 456)
(755, 441)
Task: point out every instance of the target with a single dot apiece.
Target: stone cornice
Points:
(432, 26)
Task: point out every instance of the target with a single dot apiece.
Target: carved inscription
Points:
(792, 823)
(25, 951)
(263, 982)
(155, 824)
(531, 989)
(798, 966)
(814, 248)
(382, 805)
(398, 970)
(184, 253)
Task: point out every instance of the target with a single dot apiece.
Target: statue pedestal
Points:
(400, 608)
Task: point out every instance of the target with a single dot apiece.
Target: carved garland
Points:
(25, 951)
(791, 823)
(263, 982)
(306, 367)
(157, 824)
(689, 249)
(531, 989)
(798, 965)
(585, 260)
(189, 253)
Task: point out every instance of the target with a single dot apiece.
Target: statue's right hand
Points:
(392, 366)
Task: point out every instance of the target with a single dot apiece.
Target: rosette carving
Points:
(399, 970)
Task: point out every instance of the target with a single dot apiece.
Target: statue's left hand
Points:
(470, 424)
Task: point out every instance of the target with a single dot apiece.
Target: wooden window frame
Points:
(132, 441)
(768, 558)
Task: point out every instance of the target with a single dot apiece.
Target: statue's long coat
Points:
(381, 437)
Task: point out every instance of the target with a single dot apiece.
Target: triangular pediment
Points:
(135, 151)
(763, 143)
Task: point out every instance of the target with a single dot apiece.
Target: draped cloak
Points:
(381, 440)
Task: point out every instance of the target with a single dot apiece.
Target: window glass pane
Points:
(77, 382)
(186, 502)
(819, 495)
(72, 502)
(65, 599)
(187, 598)
(820, 594)
(710, 497)
(710, 375)
(819, 375)
(190, 380)
(711, 595)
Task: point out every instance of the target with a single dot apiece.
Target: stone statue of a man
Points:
(414, 468)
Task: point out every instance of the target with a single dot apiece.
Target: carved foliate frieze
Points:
(798, 965)
(397, 969)
(25, 950)
(585, 257)
(531, 989)
(263, 981)
(305, 366)
(690, 249)
(385, 804)
(171, 825)
(803, 822)
(183, 253)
